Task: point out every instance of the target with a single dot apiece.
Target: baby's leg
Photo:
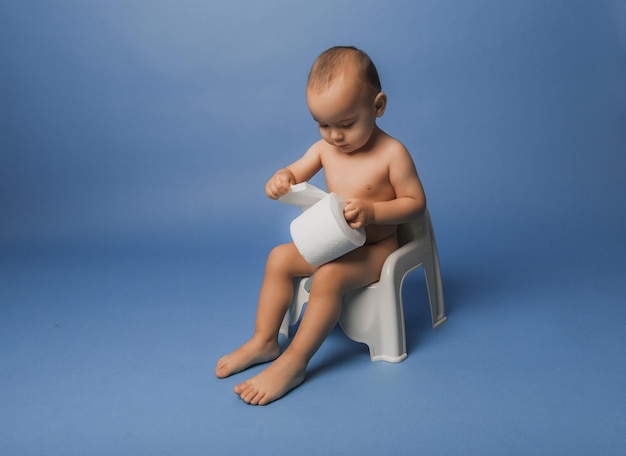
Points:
(283, 264)
(359, 268)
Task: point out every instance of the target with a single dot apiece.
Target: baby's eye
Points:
(323, 125)
(346, 126)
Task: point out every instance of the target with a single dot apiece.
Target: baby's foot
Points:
(273, 383)
(249, 354)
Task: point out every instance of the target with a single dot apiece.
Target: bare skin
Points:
(249, 354)
(375, 175)
(330, 281)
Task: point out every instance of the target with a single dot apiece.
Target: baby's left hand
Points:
(358, 213)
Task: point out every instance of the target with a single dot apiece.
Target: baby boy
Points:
(375, 175)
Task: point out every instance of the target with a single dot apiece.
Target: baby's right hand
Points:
(279, 185)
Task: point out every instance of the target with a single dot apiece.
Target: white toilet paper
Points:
(304, 195)
(321, 233)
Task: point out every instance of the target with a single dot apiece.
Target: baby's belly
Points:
(376, 233)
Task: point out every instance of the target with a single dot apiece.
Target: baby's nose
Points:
(336, 134)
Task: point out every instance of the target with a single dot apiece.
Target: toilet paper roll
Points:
(321, 233)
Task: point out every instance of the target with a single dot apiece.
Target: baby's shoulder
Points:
(319, 147)
(391, 147)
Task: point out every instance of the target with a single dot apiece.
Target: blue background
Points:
(135, 141)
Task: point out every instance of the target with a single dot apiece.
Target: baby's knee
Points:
(280, 258)
(327, 278)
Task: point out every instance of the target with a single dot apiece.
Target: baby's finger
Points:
(284, 187)
(274, 191)
(283, 184)
(355, 224)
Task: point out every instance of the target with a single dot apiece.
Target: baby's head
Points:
(344, 96)
(344, 61)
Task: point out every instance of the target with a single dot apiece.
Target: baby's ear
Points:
(380, 102)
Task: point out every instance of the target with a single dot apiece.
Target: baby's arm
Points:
(301, 170)
(409, 202)
(410, 198)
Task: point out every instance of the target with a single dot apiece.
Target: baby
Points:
(375, 175)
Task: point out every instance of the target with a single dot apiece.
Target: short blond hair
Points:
(337, 60)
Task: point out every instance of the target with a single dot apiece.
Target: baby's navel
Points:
(368, 187)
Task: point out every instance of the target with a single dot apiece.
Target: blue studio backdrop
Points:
(135, 141)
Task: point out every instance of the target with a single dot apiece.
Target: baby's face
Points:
(346, 115)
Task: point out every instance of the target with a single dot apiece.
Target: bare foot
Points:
(273, 383)
(251, 353)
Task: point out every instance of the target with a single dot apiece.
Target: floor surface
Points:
(114, 354)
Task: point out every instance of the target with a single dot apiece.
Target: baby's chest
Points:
(362, 180)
